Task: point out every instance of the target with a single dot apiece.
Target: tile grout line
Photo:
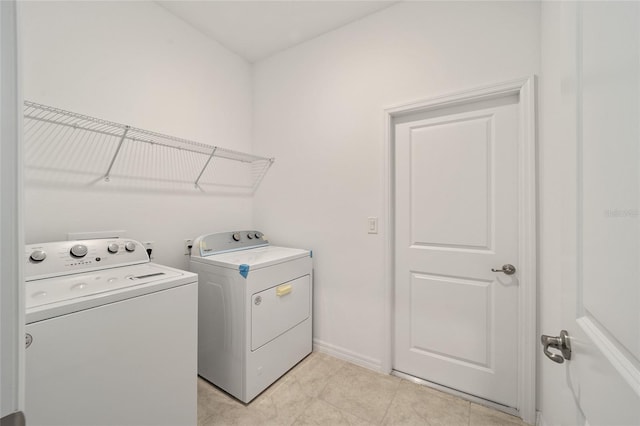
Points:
(343, 411)
(366, 371)
(319, 397)
(329, 378)
(395, 394)
(306, 406)
(316, 397)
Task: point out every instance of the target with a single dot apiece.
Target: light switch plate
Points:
(372, 225)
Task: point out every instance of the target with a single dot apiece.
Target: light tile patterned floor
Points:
(323, 390)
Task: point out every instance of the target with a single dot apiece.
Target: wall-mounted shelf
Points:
(75, 148)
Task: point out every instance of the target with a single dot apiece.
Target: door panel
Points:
(609, 151)
(600, 284)
(456, 218)
(451, 318)
(444, 161)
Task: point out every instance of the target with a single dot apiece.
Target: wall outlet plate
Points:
(188, 243)
(148, 246)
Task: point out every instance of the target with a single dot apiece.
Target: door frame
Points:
(525, 88)
(12, 304)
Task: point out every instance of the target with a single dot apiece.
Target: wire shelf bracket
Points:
(205, 166)
(113, 160)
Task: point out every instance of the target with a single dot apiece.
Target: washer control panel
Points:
(222, 242)
(45, 260)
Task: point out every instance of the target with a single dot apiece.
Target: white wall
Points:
(318, 110)
(134, 63)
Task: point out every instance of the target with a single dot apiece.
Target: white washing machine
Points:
(111, 337)
(254, 310)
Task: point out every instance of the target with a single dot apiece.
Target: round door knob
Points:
(38, 255)
(236, 236)
(130, 246)
(113, 248)
(79, 250)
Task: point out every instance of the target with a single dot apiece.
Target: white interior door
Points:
(601, 283)
(456, 218)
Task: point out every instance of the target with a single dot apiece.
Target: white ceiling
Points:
(257, 29)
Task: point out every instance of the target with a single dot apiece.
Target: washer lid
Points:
(256, 258)
(50, 297)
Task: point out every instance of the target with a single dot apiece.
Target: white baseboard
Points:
(347, 355)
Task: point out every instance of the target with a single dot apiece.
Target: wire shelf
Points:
(81, 149)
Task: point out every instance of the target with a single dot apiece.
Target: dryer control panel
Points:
(223, 242)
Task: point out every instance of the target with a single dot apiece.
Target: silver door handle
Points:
(507, 269)
(560, 343)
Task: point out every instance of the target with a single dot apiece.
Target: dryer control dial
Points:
(79, 250)
(113, 248)
(130, 246)
(38, 255)
(236, 236)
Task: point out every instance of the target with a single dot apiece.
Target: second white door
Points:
(456, 219)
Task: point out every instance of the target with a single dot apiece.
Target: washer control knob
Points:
(130, 246)
(236, 236)
(38, 255)
(258, 235)
(79, 250)
(250, 236)
(113, 248)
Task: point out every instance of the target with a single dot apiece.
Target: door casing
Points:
(12, 350)
(525, 89)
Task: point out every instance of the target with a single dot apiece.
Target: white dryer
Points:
(111, 337)
(254, 310)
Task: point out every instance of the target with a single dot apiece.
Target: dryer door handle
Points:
(281, 290)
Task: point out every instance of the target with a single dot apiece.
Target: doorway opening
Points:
(466, 157)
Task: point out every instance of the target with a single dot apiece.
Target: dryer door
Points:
(278, 309)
